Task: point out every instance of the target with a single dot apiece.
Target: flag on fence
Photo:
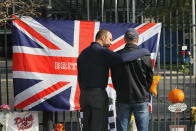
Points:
(45, 58)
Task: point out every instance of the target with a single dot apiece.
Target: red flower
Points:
(182, 52)
(4, 107)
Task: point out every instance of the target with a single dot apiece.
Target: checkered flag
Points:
(112, 116)
(112, 106)
(112, 110)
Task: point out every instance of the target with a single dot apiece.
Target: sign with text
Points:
(178, 107)
(178, 128)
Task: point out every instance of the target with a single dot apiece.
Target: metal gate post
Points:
(194, 43)
(102, 10)
(133, 11)
(127, 11)
(48, 121)
(6, 60)
(116, 11)
(88, 10)
(0, 90)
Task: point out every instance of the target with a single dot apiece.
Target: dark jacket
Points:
(132, 80)
(93, 64)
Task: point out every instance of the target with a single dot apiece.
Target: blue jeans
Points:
(141, 113)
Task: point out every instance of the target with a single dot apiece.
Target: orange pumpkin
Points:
(176, 96)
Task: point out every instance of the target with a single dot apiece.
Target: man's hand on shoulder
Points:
(145, 51)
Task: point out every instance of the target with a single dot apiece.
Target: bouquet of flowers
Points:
(193, 113)
(4, 116)
(59, 127)
(5, 108)
(155, 82)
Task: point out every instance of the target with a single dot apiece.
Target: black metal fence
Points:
(176, 70)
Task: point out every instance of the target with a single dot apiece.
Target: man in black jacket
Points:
(132, 81)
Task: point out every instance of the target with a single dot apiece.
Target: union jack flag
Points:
(45, 58)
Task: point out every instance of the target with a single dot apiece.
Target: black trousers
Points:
(94, 104)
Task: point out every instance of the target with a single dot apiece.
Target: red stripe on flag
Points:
(117, 44)
(140, 31)
(44, 64)
(110, 73)
(77, 97)
(153, 63)
(145, 27)
(111, 85)
(150, 108)
(35, 34)
(86, 35)
(41, 94)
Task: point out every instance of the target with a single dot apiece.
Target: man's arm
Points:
(113, 58)
(129, 56)
(149, 71)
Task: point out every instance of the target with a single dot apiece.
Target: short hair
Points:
(131, 35)
(100, 33)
